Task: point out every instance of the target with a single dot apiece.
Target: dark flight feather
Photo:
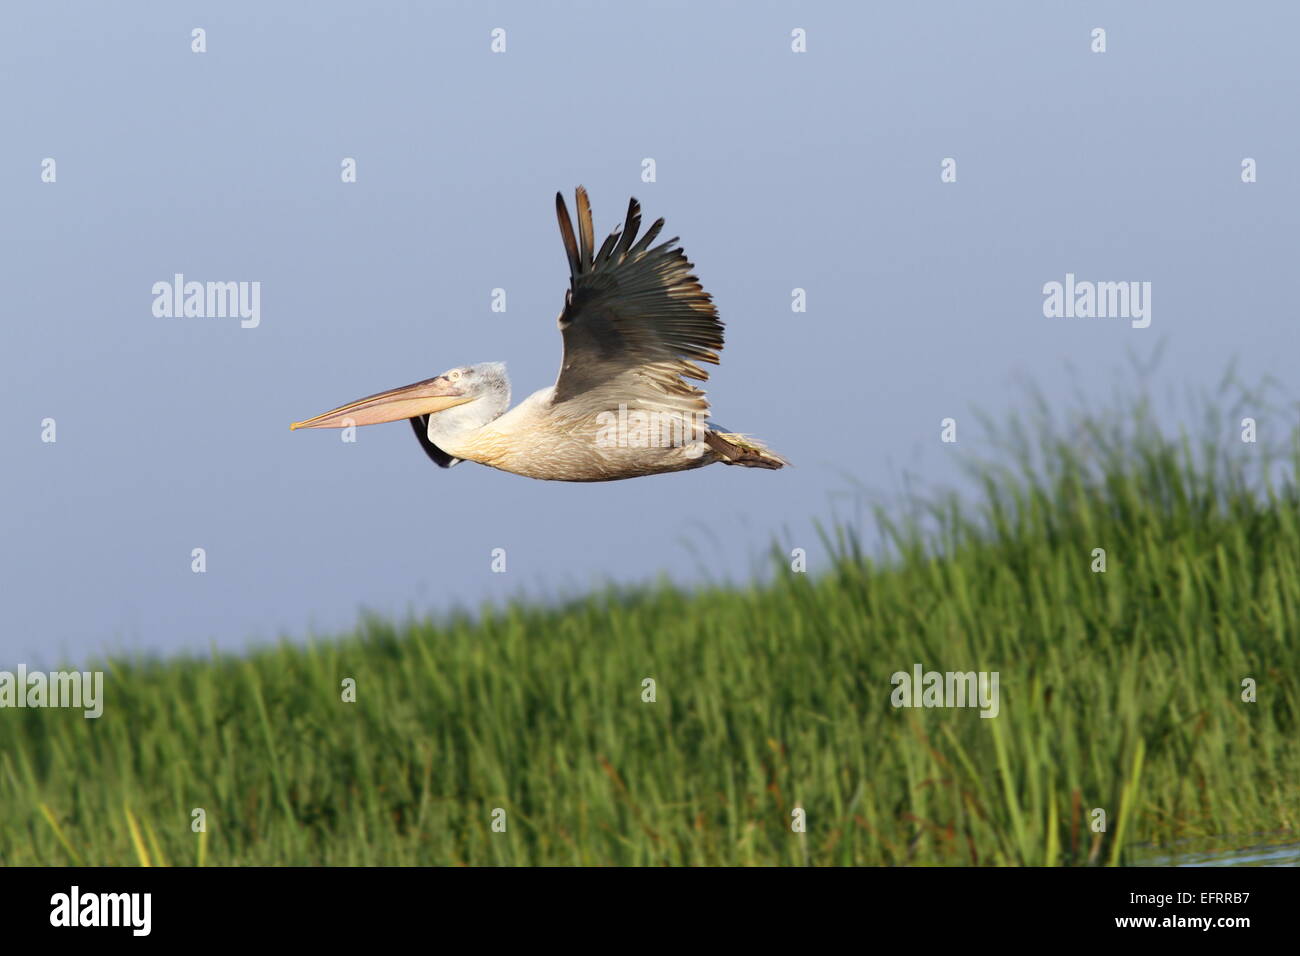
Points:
(420, 424)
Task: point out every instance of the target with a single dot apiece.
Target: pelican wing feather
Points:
(636, 320)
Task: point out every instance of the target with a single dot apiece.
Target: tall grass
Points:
(1120, 691)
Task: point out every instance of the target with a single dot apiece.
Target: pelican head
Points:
(468, 396)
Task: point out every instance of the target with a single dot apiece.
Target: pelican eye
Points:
(454, 376)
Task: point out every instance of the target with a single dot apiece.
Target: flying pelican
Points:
(635, 322)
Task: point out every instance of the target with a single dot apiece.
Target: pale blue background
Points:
(778, 170)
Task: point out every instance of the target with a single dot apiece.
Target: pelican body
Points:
(635, 324)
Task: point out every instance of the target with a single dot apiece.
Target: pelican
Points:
(635, 323)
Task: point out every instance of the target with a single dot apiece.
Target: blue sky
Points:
(778, 170)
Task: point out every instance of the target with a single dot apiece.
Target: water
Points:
(1258, 854)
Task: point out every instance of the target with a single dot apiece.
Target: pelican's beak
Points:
(422, 398)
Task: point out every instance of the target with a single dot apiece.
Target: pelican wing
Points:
(635, 321)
